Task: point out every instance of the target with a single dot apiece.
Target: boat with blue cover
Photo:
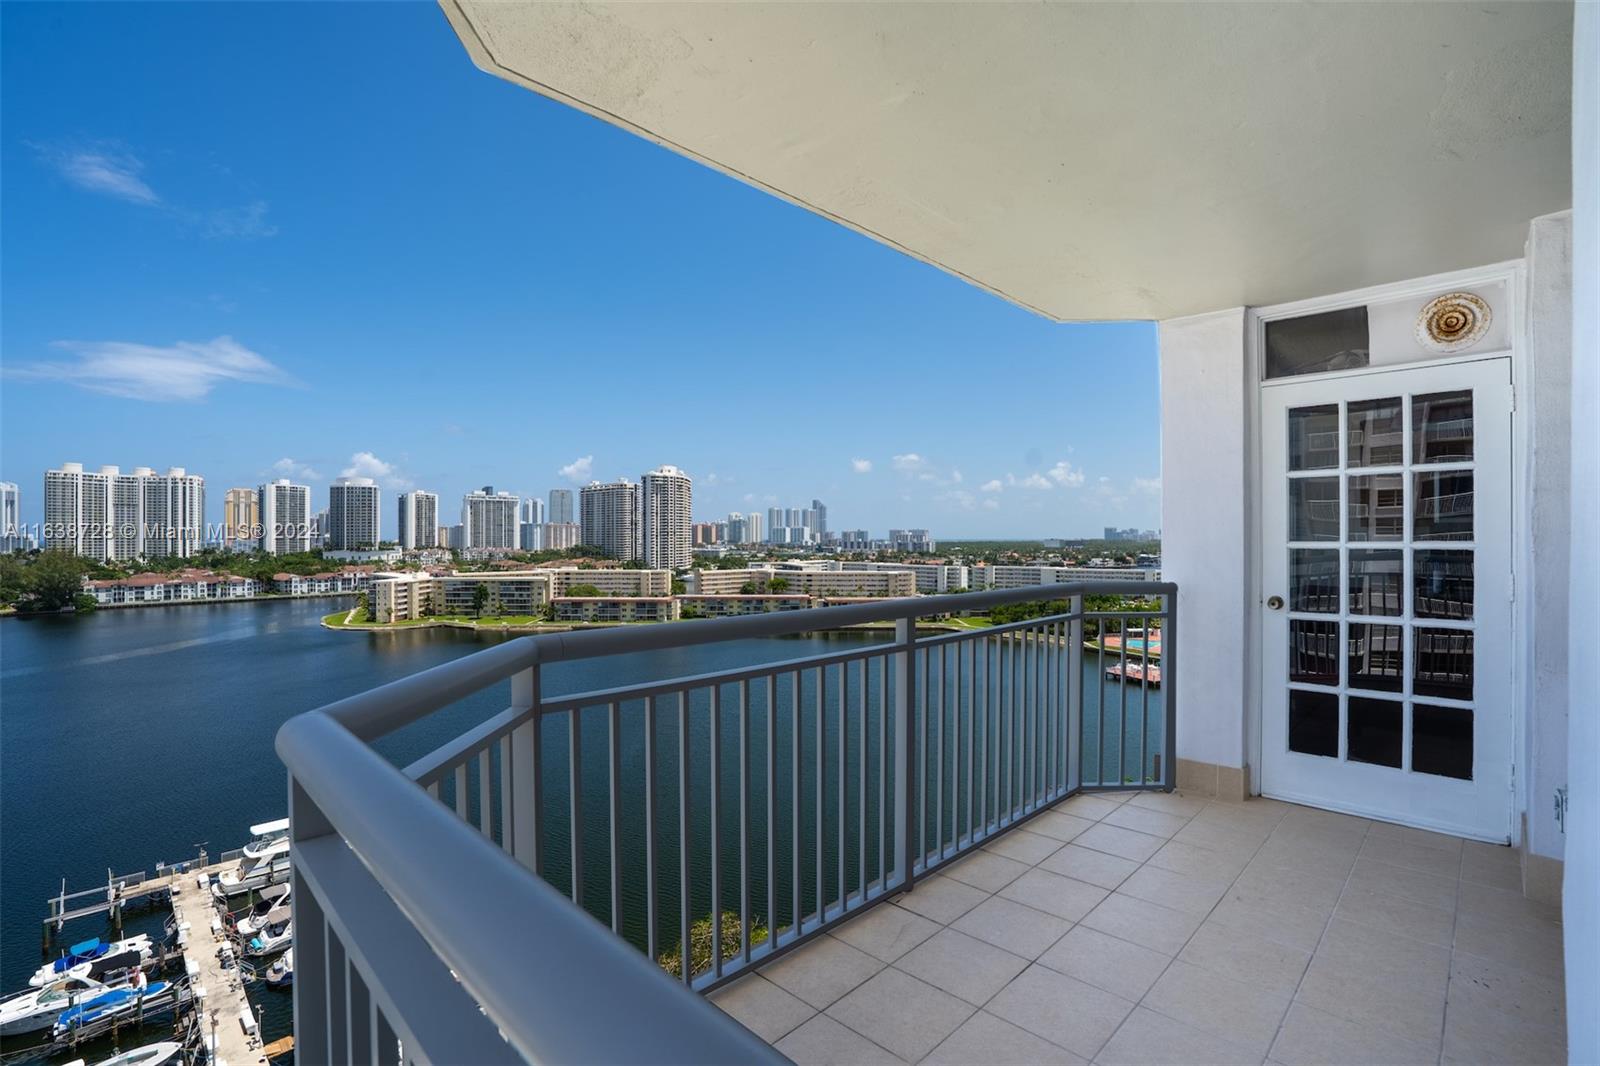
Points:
(93, 958)
(116, 1002)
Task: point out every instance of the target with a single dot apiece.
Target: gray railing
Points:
(712, 822)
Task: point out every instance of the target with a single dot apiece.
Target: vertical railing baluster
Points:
(939, 735)
(972, 736)
(772, 809)
(463, 804)
(715, 692)
(905, 634)
(844, 778)
(1144, 702)
(822, 778)
(1122, 694)
(1169, 683)
(684, 902)
(1076, 693)
(652, 934)
(575, 799)
(744, 820)
(988, 746)
(883, 774)
(924, 702)
(485, 803)
(861, 787)
(1100, 705)
(615, 774)
(797, 921)
(508, 782)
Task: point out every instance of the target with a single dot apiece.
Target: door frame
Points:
(1512, 274)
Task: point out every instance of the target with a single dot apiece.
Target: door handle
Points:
(1274, 603)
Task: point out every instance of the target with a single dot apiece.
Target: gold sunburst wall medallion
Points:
(1453, 322)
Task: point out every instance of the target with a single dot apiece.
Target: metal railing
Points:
(712, 822)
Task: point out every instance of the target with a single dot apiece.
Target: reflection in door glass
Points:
(1441, 427)
(1375, 730)
(1314, 581)
(1375, 433)
(1314, 723)
(1377, 657)
(1377, 507)
(1441, 740)
(1444, 663)
(1376, 580)
(1314, 437)
(1441, 583)
(1314, 508)
(1443, 503)
(1314, 652)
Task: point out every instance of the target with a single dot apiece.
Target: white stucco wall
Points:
(1545, 404)
(1581, 890)
(1207, 525)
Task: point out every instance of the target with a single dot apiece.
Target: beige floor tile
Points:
(941, 898)
(1476, 982)
(762, 1007)
(986, 870)
(886, 931)
(1183, 858)
(1308, 888)
(1151, 1039)
(1064, 1011)
(1308, 821)
(1093, 808)
(1250, 819)
(1013, 927)
(896, 1011)
(1058, 826)
(1487, 1035)
(1026, 847)
(1190, 893)
(1220, 838)
(1085, 864)
(1145, 820)
(1118, 966)
(1506, 905)
(821, 971)
(1311, 1037)
(1491, 864)
(1431, 889)
(1185, 806)
(983, 1038)
(1278, 919)
(1421, 838)
(1245, 956)
(824, 1042)
(1242, 1014)
(1396, 914)
(1385, 956)
(963, 966)
(1123, 843)
(1413, 1012)
(1305, 855)
(1400, 852)
(1146, 924)
(1064, 897)
(1537, 950)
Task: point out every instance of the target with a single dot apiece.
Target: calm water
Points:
(135, 736)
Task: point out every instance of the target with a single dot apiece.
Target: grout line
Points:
(1450, 967)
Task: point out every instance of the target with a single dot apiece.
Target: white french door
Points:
(1386, 559)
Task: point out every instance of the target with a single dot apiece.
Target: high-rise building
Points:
(419, 520)
(533, 510)
(819, 521)
(735, 528)
(11, 535)
(664, 496)
(774, 519)
(752, 528)
(241, 514)
(910, 540)
(561, 511)
(855, 540)
(530, 536)
(609, 517)
(559, 536)
(77, 510)
(111, 515)
(286, 519)
(353, 515)
(489, 519)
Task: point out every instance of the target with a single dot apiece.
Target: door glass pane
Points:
(1444, 663)
(1376, 578)
(1377, 657)
(1314, 652)
(1377, 507)
(1314, 437)
(1375, 729)
(1376, 433)
(1443, 505)
(1441, 741)
(1441, 427)
(1314, 581)
(1314, 723)
(1314, 508)
(1441, 584)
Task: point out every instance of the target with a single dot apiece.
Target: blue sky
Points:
(253, 239)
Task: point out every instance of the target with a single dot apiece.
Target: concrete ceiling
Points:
(1096, 160)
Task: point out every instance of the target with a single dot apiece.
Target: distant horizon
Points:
(395, 266)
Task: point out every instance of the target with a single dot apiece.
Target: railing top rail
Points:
(382, 710)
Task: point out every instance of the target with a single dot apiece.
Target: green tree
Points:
(53, 582)
(480, 598)
(584, 590)
(778, 584)
(678, 587)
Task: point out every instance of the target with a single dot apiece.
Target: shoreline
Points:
(569, 627)
(269, 598)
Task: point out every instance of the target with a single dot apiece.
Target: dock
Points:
(229, 1027)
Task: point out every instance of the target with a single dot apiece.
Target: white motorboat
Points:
(263, 836)
(149, 1055)
(93, 958)
(281, 973)
(139, 1000)
(269, 867)
(271, 940)
(273, 907)
(38, 1008)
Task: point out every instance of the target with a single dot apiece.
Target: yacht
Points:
(155, 997)
(263, 836)
(149, 1055)
(270, 909)
(38, 1008)
(269, 866)
(281, 973)
(92, 958)
(271, 940)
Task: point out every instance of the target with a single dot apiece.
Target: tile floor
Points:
(1156, 928)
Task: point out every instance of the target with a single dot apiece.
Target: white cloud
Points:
(239, 223)
(960, 497)
(1064, 473)
(1032, 481)
(1149, 486)
(714, 479)
(910, 462)
(292, 468)
(861, 466)
(580, 471)
(187, 370)
(993, 485)
(104, 170)
(365, 464)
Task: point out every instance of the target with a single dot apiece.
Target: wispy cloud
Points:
(861, 466)
(992, 485)
(1064, 473)
(187, 370)
(365, 464)
(239, 223)
(1032, 481)
(580, 471)
(293, 468)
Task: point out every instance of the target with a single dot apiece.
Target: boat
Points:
(92, 958)
(263, 836)
(38, 1008)
(155, 997)
(1136, 672)
(149, 1055)
(273, 907)
(271, 940)
(281, 973)
(270, 866)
